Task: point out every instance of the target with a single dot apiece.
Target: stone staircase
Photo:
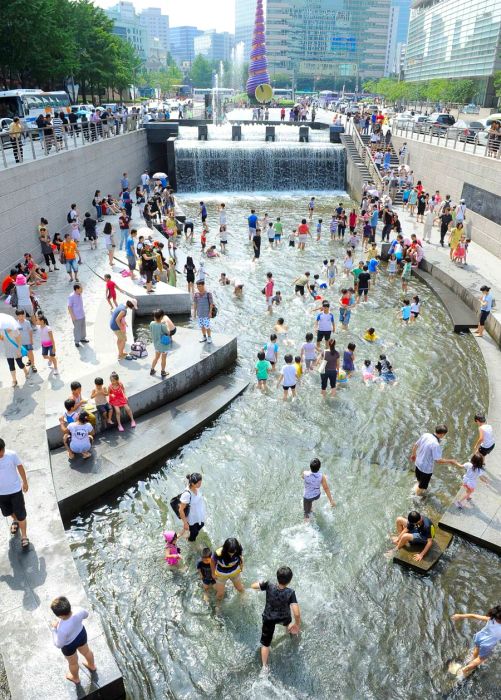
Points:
(394, 163)
(353, 155)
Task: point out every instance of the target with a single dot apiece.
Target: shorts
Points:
(269, 301)
(308, 503)
(131, 262)
(309, 363)
(418, 539)
(292, 244)
(48, 350)
(11, 361)
(149, 275)
(422, 478)
(103, 408)
(330, 376)
(268, 629)
(344, 316)
(71, 265)
(483, 651)
(27, 346)
(486, 450)
(299, 288)
(208, 581)
(92, 236)
(323, 335)
(79, 641)
(270, 240)
(121, 335)
(291, 386)
(414, 314)
(204, 322)
(188, 227)
(278, 237)
(483, 317)
(365, 292)
(13, 504)
(194, 530)
(252, 232)
(109, 246)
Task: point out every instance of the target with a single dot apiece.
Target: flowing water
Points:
(370, 628)
(245, 165)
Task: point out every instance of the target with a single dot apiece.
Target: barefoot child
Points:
(349, 359)
(313, 480)
(406, 311)
(484, 641)
(70, 636)
(331, 272)
(118, 400)
(271, 351)
(415, 309)
(309, 352)
(288, 377)
(172, 551)
(280, 601)
(205, 571)
(263, 368)
(299, 367)
(111, 291)
(392, 267)
(474, 471)
(100, 395)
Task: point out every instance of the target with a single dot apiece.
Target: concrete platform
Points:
(117, 457)
(189, 363)
(480, 521)
(29, 581)
(462, 316)
(404, 557)
(172, 300)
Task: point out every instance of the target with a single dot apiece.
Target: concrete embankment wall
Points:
(476, 178)
(47, 187)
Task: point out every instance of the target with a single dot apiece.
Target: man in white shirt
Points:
(426, 452)
(13, 486)
(145, 182)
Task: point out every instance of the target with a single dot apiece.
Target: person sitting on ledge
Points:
(415, 529)
(78, 436)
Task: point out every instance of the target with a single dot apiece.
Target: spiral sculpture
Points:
(258, 67)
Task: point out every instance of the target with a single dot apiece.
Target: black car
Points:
(438, 123)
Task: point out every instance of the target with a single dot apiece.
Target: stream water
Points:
(370, 628)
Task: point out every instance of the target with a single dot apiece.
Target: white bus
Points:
(223, 92)
(282, 93)
(28, 104)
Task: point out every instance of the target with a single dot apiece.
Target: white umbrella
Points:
(159, 176)
(145, 231)
(8, 323)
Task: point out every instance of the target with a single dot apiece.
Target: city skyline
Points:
(192, 12)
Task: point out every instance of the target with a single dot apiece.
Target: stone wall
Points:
(449, 171)
(48, 186)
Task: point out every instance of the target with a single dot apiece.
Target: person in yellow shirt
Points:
(299, 367)
(15, 134)
(370, 335)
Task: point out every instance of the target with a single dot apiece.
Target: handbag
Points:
(321, 367)
(176, 502)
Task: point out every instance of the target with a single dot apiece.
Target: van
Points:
(111, 106)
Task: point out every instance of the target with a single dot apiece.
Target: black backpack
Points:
(68, 217)
(176, 502)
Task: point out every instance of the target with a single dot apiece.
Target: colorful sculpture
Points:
(258, 67)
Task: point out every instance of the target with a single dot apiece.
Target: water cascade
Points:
(252, 165)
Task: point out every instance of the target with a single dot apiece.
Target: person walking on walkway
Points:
(119, 327)
(16, 139)
(69, 255)
(427, 452)
(77, 313)
(13, 486)
(161, 329)
(69, 635)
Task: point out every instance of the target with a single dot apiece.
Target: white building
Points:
(215, 46)
(156, 25)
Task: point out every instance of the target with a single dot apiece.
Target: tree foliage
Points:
(440, 90)
(201, 72)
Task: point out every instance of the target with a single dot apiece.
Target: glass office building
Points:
(344, 41)
(455, 39)
(245, 11)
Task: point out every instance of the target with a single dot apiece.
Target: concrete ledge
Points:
(462, 316)
(118, 457)
(189, 363)
(405, 556)
(29, 581)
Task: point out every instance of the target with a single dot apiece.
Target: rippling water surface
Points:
(370, 628)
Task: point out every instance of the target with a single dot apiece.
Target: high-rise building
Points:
(182, 44)
(455, 39)
(244, 24)
(215, 46)
(156, 25)
(398, 27)
(127, 25)
(344, 41)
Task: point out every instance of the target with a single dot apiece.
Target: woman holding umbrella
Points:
(10, 340)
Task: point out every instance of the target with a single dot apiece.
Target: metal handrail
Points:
(41, 143)
(448, 141)
(366, 155)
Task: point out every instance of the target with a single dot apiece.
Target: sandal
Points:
(14, 528)
(25, 544)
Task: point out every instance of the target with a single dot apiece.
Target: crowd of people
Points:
(352, 278)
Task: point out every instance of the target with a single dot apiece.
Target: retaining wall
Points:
(48, 186)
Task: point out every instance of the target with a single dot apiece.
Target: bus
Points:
(223, 92)
(282, 93)
(29, 104)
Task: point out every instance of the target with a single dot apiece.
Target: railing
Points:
(365, 154)
(449, 138)
(40, 143)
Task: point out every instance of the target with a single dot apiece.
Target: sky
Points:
(218, 14)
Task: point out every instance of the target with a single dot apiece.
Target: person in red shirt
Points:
(352, 220)
(268, 291)
(9, 282)
(111, 291)
(303, 231)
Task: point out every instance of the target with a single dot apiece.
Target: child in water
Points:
(474, 471)
(172, 551)
(205, 571)
(415, 309)
(370, 335)
(271, 351)
(349, 359)
(385, 370)
(406, 311)
(263, 367)
(392, 267)
(368, 372)
(309, 351)
(331, 272)
(299, 366)
(484, 641)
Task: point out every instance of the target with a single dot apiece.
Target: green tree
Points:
(460, 91)
(497, 83)
(281, 80)
(201, 72)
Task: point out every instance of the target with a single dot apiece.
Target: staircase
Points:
(353, 155)
(394, 163)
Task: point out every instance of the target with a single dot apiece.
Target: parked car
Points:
(5, 123)
(465, 131)
(438, 123)
(471, 109)
(493, 118)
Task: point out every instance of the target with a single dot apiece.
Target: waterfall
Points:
(203, 166)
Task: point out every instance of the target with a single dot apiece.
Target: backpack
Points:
(13, 298)
(176, 502)
(69, 217)
(138, 349)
